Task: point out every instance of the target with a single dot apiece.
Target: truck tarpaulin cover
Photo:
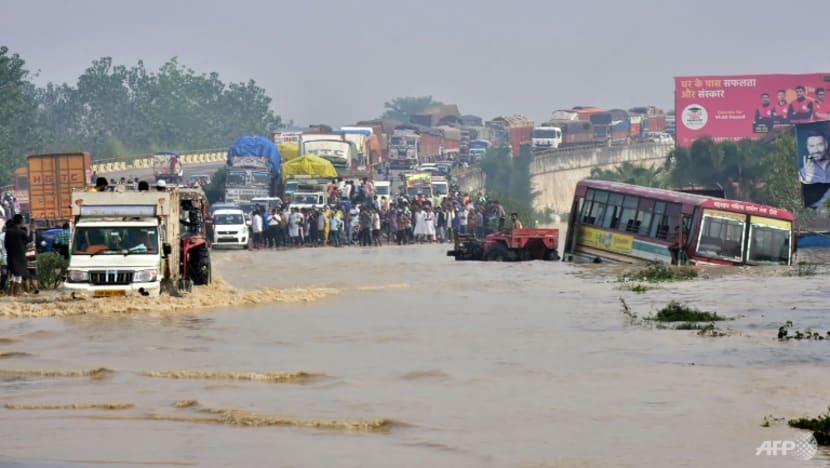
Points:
(256, 146)
(746, 106)
(309, 164)
(289, 150)
(814, 162)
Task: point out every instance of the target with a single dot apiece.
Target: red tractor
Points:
(508, 246)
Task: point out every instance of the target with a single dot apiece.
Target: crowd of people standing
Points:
(373, 221)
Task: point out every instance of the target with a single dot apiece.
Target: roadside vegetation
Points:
(676, 316)
(638, 288)
(507, 180)
(115, 110)
(784, 333)
(659, 272)
(51, 269)
(820, 425)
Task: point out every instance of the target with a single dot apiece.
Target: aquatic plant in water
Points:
(676, 312)
(820, 425)
(660, 272)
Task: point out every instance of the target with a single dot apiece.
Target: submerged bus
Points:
(612, 221)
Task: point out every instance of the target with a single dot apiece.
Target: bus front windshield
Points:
(769, 240)
(721, 235)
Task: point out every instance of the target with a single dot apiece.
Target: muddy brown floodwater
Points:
(400, 356)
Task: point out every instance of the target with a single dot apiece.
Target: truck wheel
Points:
(199, 267)
(551, 255)
(498, 252)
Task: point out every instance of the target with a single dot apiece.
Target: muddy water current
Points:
(400, 356)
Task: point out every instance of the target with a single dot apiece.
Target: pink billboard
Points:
(746, 106)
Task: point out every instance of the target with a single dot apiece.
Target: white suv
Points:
(230, 228)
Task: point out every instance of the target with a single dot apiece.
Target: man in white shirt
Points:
(256, 227)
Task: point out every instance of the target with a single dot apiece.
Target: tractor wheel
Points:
(551, 255)
(199, 266)
(498, 252)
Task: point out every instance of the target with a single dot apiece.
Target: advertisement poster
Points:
(747, 106)
(600, 239)
(814, 161)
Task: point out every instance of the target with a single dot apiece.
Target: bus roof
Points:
(684, 198)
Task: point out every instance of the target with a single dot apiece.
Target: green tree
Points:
(781, 186)
(401, 108)
(508, 182)
(21, 124)
(763, 171)
(629, 173)
(113, 110)
(735, 167)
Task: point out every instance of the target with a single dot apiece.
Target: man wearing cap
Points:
(161, 185)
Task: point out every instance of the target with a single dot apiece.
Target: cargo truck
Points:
(333, 147)
(137, 243)
(367, 145)
(514, 131)
(254, 165)
(52, 178)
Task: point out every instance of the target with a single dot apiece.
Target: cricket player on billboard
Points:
(814, 161)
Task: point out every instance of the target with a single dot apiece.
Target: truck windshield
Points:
(440, 189)
(544, 134)
(262, 178)
(235, 178)
(115, 240)
(225, 219)
(306, 199)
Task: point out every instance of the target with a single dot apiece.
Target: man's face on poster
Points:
(817, 148)
(820, 96)
(781, 96)
(799, 92)
(765, 99)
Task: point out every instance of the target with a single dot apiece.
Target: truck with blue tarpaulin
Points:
(254, 164)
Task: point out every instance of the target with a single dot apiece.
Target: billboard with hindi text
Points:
(747, 106)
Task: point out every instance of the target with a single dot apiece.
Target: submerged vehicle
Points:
(509, 245)
(612, 221)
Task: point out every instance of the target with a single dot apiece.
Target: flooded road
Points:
(400, 356)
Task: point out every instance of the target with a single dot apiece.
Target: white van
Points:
(230, 227)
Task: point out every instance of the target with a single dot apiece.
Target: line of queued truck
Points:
(585, 126)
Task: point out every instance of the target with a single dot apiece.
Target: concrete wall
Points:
(470, 180)
(554, 174)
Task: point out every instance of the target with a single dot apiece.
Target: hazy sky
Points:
(337, 62)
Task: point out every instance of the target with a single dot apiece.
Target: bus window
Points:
(593, 210)
(659, 211)
(769, 240)
(629, 213)
(721, 235)
(613, 211)
(644, 215)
